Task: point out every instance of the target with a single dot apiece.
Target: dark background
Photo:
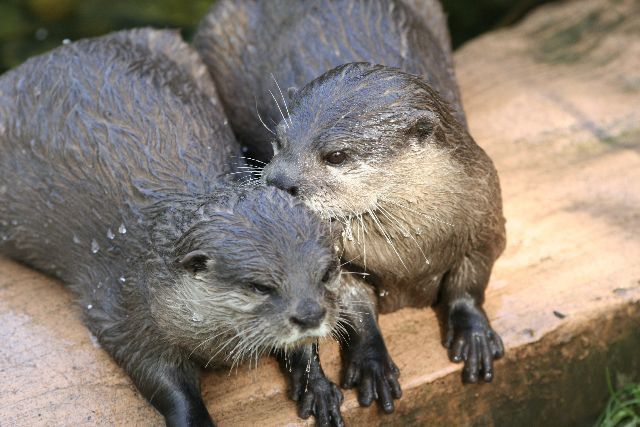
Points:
(29, 27)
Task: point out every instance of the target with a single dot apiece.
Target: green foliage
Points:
(623, 408)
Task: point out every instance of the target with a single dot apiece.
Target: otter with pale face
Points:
(115, 165)
(382, 149)
(418, 198)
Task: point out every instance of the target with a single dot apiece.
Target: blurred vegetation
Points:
(30, 27)
(623, 408)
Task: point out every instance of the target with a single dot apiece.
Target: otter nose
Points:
(309, 314)
(282, 181)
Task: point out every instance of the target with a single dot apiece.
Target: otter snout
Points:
(309, 314)
(281, 178)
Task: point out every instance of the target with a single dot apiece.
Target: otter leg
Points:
(366, 361)
(169, 381)
(469, 336)
(313, 391)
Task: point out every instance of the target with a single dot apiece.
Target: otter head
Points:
(358, 135)
(260, 274)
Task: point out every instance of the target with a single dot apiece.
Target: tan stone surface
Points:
(556, 103)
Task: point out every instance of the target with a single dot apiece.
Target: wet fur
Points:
(419, 199)
(115, 164)
(245, 42)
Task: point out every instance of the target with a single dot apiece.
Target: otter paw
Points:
(376, 378)
(319, 397)
(478, 346)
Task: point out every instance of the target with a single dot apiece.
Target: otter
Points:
(116, 177)
(376, 139)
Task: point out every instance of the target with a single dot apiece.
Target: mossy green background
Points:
(30, 27)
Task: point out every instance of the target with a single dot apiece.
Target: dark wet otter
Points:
(115, 178)
(383, 150)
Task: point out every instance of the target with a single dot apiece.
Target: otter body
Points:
(115, 177)
(383, 149)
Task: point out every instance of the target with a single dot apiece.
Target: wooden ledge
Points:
(555, 103)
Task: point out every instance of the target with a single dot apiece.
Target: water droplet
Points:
(122, 229)
(419, 231)
(76, 240)
(226, 122)
(66, 41)
(89, 306)
(94, 246)
(110, 234)
(197, 317)
(94, 340)
(122, 279)
(383, 293)
(405, 234)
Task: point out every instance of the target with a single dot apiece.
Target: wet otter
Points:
(383, 149)
(115, 178)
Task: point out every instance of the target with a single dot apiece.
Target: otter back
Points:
(248, 45)
(84, 145)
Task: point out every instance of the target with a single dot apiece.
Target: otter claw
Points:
(478, 346)
(321, 398)
(376, 379)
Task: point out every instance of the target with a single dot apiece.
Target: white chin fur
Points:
(310, 335)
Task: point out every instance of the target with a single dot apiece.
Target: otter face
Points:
(258, 277)
(354, 137)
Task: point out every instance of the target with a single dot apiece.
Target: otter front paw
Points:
(471, 339)
(319, 397)
(375, 376)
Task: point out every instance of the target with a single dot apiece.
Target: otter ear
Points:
(292, 92)
(420, 124)
(194, 261)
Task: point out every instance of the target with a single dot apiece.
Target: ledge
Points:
(555, 103)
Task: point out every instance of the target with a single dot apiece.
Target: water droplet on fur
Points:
(383, 293)
(197, 317)
(66, 41)
(94, 340)
(95, 247)
(419, 231)
(122, 279)
(89, 306)
(110, 234)
(122, 229)
(405, 233)
(348, 233)
(76, 240)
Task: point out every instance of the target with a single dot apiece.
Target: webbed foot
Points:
(471, 339)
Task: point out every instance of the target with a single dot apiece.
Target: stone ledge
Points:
(555, 103)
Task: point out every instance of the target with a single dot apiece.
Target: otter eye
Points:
(336, 158)
(333, 267)
(260, 289)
